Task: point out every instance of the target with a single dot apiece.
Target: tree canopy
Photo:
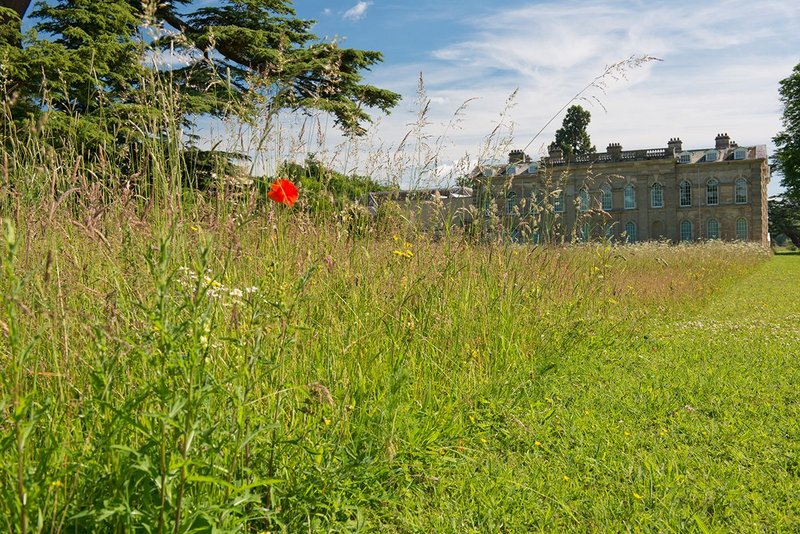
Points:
(784, 218)
(99, 60)
(572, 137)
(787, 156)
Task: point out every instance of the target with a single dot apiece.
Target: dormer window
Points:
(740, 153)
(685, 158)
(711, 155)
(533, 168)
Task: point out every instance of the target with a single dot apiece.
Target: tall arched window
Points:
(584, 232)
(606, 199)
(712, 192)
(712, 229)
(685, 193)
(538, 197)
(485, 200)
(630, 197)
(741, 229)
(740, 193)
(511, 202)
(656, 196)
(558, 202)
(630, 232)
(686, 230)
(583, 200)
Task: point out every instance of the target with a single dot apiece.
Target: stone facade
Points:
(659, 193)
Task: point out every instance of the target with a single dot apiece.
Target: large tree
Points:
(572, 137)
(787, 156)
(784, 218)
(235, 53)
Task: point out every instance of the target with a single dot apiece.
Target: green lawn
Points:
(692, 425)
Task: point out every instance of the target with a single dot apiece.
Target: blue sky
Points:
(722, 61)
(496, 72)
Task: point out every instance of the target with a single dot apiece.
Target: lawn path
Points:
(768, 298)
(691, 426)
(731, 372)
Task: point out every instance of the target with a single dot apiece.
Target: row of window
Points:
(656, 196)
(713, 230)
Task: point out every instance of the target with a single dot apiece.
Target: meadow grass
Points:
(267, 372)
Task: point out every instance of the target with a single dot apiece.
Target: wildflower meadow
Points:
(217, 335)
(276, 374)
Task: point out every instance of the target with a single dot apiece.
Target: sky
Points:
(509, 67)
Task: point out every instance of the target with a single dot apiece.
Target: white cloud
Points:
(357, 12)
(326, 11)
(722, 63)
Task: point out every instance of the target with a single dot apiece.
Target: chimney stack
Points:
(675, 145)
(723, 141)
(555, 151)
(517, 156)
(615, 151)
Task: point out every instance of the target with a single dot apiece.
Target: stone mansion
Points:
(634, 195)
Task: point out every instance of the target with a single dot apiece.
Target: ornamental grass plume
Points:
(283, 191)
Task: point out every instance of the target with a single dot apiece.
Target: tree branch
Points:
(20, 6)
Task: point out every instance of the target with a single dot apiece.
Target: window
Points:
(606, 200)
(686, 230)
(741, 229)
(657, 196)
(685, 158)
(630, 197)
(630, 232)
(583, 200)
(712, 229)
(584, 232)
(712, 192)
(558, 202)
(484, 201)
(711, 155)
(536, 201)
(511, 170)
(511, 202)
(686, 193)
(740, 153)
(741, 191)
(533, 168)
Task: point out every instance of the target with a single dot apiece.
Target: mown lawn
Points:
(692, 424)
(286, 376)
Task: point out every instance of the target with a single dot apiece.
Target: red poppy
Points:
(284, 192)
